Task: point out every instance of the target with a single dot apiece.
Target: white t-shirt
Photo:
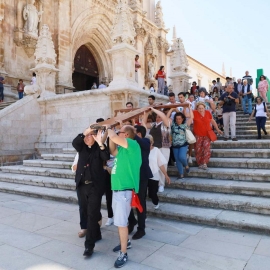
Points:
(152, 90)
(75, 162)
(180, 109)
(101, 86)
(260, 110)
(156, 160)
(245, 88)
(34, 80)
(206, 100)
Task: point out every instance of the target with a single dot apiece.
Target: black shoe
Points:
(138, 235)
(118, 248)
(265, 133)
(225, 139)
(258, 138)
(88, 252)
(121, 260)
(234, 139)
(131, 227)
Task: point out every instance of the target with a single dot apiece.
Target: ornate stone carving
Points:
(140, 31)
(135, 4)
(179, 57)
(162, 43)
(123, 30)
(28, 35)
(45, 60)
(159, 16)
(151, 69)
(32, 17)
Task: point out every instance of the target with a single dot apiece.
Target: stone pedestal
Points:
(180, 82)
(123, 56)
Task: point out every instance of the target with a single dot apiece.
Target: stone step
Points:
(258, 189)
(250, 163)
(194, 214)
(50, 172)
(248, 124)
(69, 151)
(34, 180)
(247, 137)
(241, 203)
(48, 163)
(242, 144)
(256, 175)
(59, 157)
(240, 153)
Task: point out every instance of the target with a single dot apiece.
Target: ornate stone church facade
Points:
(82, 35)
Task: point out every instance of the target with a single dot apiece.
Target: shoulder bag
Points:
(190, 137)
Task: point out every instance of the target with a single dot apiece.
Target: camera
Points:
(227, 101)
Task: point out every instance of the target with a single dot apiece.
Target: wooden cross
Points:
(132, 113)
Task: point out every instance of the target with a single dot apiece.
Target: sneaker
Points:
(138, 235)
(121, 260)
(156, 206)
(161, 189)
(187, 170)
(118, 248)
(109, 222)
(234, 139)
(190, 161)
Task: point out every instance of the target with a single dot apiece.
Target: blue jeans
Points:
(1, 93)
(180, 155)
(20, 95)
(246, 100)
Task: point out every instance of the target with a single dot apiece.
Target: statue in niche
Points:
(151, 69)
(32, 17)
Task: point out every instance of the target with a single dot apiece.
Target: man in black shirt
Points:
(229, 100)
(145, 174)
(90, 182)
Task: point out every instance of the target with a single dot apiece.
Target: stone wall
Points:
(20, 129)
(64, 116)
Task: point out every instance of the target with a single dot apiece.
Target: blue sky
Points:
(214, 31)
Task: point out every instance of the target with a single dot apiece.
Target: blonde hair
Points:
(150, 137)
(200, 103)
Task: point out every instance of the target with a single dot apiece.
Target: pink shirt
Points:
(263, 86)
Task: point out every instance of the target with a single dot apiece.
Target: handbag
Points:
(135, 202)
(190, 137)
(211, 135)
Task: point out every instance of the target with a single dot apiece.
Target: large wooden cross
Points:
(128, 114)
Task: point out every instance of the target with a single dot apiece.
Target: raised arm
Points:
(164, 118)
(116, 139)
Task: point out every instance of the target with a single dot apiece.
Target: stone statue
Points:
(32, 17)
(159, 16)
(151, 70)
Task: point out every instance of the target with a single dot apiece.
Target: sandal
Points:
(82, 233)
(204, 167)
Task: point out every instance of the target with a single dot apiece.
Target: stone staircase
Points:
(234, 192)
(248, 130)
(3, 105)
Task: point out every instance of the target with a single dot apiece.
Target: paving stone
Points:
(72, 256)
(263, 247)
(231, 250)
(236, 237)
(28, 221)
(172, 257)
(6, 212)
(14, 259)
(258, 262)
(20, 238)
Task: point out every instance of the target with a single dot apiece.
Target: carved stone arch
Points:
(93, 30)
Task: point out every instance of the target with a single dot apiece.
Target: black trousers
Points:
(83, 218)
(108, 193)
(153, 190)
(260, 121)
(90, 199)
(141, 216)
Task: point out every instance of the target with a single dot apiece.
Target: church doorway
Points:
(85, 70)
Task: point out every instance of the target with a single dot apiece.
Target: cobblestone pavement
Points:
(42, 234)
